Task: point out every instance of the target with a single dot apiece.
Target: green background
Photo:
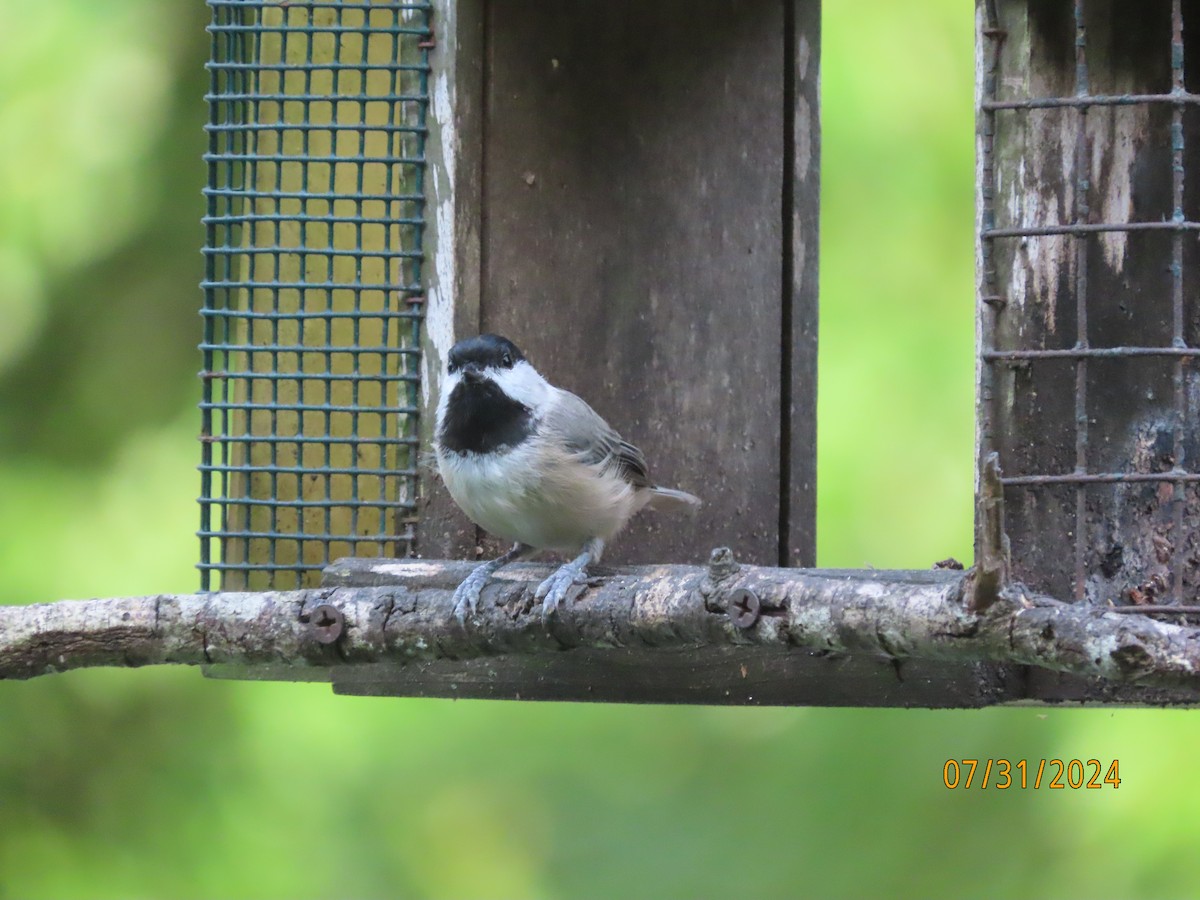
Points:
(158, 783)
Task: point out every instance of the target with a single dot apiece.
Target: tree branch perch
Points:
(724, 633)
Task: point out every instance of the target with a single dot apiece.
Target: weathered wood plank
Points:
(711, 675)
(633, 239)
(798, 546)
(454, 216)
(632, 184)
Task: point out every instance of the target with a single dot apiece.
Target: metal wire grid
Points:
(1081, 229)
(312, 288)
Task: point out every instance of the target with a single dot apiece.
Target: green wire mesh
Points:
(312, 289)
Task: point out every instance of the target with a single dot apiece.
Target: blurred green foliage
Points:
(159, 784)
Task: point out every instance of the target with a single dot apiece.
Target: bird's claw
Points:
(553, 591)
(466, 597)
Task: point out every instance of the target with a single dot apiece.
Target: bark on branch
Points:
(718, 634)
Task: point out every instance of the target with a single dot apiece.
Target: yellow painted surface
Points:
(322, 283)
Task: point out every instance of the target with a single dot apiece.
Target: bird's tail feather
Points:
(666, 498)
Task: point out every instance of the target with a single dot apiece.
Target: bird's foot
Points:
(466, 595)
(553, 591)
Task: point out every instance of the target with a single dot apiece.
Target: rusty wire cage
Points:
(1089, 322)
(312, 286)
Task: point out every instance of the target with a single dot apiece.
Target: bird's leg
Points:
(553, 591)
(466, 595)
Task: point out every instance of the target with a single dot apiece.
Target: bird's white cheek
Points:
(523, 383)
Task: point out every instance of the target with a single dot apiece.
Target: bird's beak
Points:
(472, 374)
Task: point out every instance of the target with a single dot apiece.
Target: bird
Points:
(534, 464)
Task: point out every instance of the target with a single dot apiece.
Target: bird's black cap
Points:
(485, 351)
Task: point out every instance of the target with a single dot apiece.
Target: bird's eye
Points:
(452, 368)
(506, 359)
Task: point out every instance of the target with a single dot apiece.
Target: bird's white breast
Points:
(539, 495)
(491, 488)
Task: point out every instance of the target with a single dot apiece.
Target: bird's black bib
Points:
(481, 418)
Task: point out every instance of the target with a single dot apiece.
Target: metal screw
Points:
(326, 622)
(744, 608)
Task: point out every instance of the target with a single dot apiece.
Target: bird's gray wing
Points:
(594, 441)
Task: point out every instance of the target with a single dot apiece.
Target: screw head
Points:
(326, 622)
(744, 608)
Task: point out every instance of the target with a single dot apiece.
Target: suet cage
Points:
(312, 289)
(1089, 322)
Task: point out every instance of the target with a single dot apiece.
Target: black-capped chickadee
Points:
(535, 465)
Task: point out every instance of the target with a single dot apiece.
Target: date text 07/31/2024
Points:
(1054, 774)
